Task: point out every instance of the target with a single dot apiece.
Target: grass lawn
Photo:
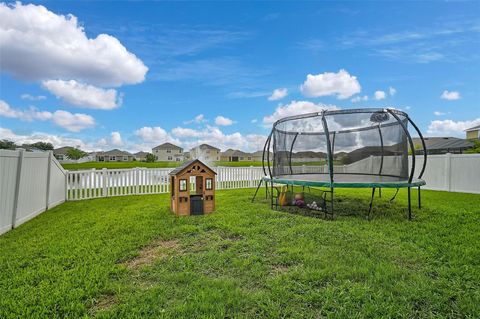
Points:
(129, 257)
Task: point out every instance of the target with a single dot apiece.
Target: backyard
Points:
(130, 257)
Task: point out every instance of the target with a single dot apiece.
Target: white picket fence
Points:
(93, 183)
(30, 183)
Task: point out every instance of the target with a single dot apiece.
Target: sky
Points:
(135, 74)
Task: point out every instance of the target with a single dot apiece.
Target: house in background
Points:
(205, 153)
(61, 153)
(140, 156)
(186, 156)
(168, 152)
(231, 155)
(442, 145)
(114, 155)
(473, 133)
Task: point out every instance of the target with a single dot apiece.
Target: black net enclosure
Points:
(354, 148)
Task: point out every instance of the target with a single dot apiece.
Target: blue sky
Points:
(206, 71)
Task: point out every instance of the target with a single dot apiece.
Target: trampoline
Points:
(355, 148)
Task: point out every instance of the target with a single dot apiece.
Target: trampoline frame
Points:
(269, 179)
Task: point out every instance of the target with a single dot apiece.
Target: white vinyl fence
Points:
(93, 183)
(451, 172)
(30, 183)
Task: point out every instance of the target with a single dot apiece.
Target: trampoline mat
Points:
(346, 181)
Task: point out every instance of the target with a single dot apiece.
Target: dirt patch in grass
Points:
(104, 302)
(279, 269)
(159, 248)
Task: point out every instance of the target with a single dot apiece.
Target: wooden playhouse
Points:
(192, 189)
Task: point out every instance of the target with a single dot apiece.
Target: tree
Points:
(44, 146)
(475, 149)
(150, 158)
(7, 145)
(75, 153)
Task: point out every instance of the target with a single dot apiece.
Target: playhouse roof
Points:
(182, 167)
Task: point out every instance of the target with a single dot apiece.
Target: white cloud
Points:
(38, 44)
(116, 138)
(56, 140)
(30, 97)
(379, 95)
(183, 132)
(278, 94)
(32, 114)
(392, 91)
(296, 108)
(152, 134)
(341, 84)
(450, 127)
(359, 98)
(450, 95)
(253, 121)
(83, 95)
(71, 122)
(223, 121)
(200, 118)
(437, 113)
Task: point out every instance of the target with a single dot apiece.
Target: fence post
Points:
(137, 180)
(49, 169)
(448, 171)
(303, 168)
(252, 176)
(17, 186)
(67, 175)
(104, 182)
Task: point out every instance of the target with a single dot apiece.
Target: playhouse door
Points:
(196, 205)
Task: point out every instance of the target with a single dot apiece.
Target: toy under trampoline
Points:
(359, 148)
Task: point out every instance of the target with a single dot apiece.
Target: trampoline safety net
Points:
(346, 146)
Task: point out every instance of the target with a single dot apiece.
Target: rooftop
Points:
(475, 128)
(440, 143)
(167, 146)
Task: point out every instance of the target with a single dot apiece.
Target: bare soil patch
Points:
(159, 248)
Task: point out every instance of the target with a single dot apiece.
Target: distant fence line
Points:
(86, 184)
(30, 183)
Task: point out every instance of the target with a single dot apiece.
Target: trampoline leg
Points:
(331, 202)
(266, 190)
(371, 202)
(409, 205)
(380, 192)
(419, 198)
(256, 191)
(271, 195)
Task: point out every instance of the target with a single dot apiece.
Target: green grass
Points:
(245, 260)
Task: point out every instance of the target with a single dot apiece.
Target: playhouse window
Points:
(208, 184)
(183, 185)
